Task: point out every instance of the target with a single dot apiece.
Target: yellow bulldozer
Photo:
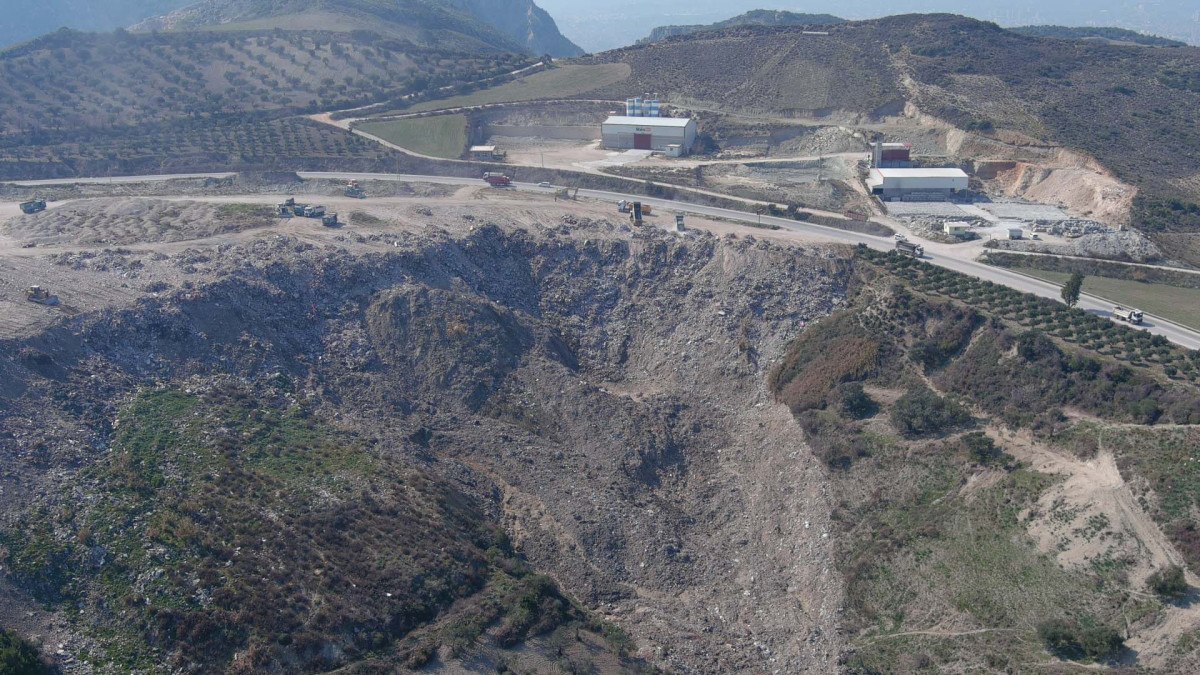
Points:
(40, 295)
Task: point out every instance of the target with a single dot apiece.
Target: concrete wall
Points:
(566, 133)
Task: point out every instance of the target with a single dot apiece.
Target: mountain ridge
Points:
(756, 17)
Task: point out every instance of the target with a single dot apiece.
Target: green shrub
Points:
(18, 657)
(982, 450)
(921, 411)
(1084, 639)
(1169, 583)
(853, 402)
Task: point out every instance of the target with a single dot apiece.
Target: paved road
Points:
(117, 179)
(954, 259)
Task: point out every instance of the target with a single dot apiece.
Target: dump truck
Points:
(40, 295)
(313, 211)
(906, 247)
(355, 191)
(33, 206)
(1128, 315)
(497, 179)
(636, 213)
(330, 220)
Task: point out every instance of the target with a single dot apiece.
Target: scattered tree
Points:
(1170, 583)
(1070, 291)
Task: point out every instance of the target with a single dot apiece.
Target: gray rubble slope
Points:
(600, 392)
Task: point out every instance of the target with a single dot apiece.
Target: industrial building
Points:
(891, 155)
(487, 153)
(649, 106)
(623, 132)
(957, 229)
(917, 184)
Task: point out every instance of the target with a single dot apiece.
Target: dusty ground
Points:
(1092, 521)
(87, 274)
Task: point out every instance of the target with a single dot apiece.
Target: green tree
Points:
(18, 657)
(1070, 292)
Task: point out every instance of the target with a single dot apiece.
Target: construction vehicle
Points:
(497, 180)
(624, 206)
(330, 220)
(679, 226)
(33, 206)
(1128, 315)
(906, 247)
(355, 191)
(284, 209)
(636, 214)
(313, 211)
(40, 295)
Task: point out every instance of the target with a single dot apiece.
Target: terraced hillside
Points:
(73, 81)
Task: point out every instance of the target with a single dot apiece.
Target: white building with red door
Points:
(621, 132)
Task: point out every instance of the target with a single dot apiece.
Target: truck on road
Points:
(906, 247)
(1128, 315)
(497, 179)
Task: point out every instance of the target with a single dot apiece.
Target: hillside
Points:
(511, 25)
(478, 431)
(101, 103)
(757, 17)
(1108, 34)
(523, 22)
(1128, 107)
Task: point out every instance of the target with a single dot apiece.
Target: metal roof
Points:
(483, 148)
(921, 173)
(649, 121)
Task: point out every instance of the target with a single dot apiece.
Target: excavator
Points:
(33, 206)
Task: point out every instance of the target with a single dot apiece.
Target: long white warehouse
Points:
(900, 183)
(620, 132)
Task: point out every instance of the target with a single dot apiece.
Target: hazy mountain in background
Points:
(26, 19)
(1103, 33)
(597, 25)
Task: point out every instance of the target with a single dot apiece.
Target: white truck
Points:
(1128, 315)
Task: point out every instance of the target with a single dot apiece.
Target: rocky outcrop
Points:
(524, 22)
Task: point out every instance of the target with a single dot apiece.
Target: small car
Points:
(544, 184)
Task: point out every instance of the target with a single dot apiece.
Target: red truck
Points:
(497, 179)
